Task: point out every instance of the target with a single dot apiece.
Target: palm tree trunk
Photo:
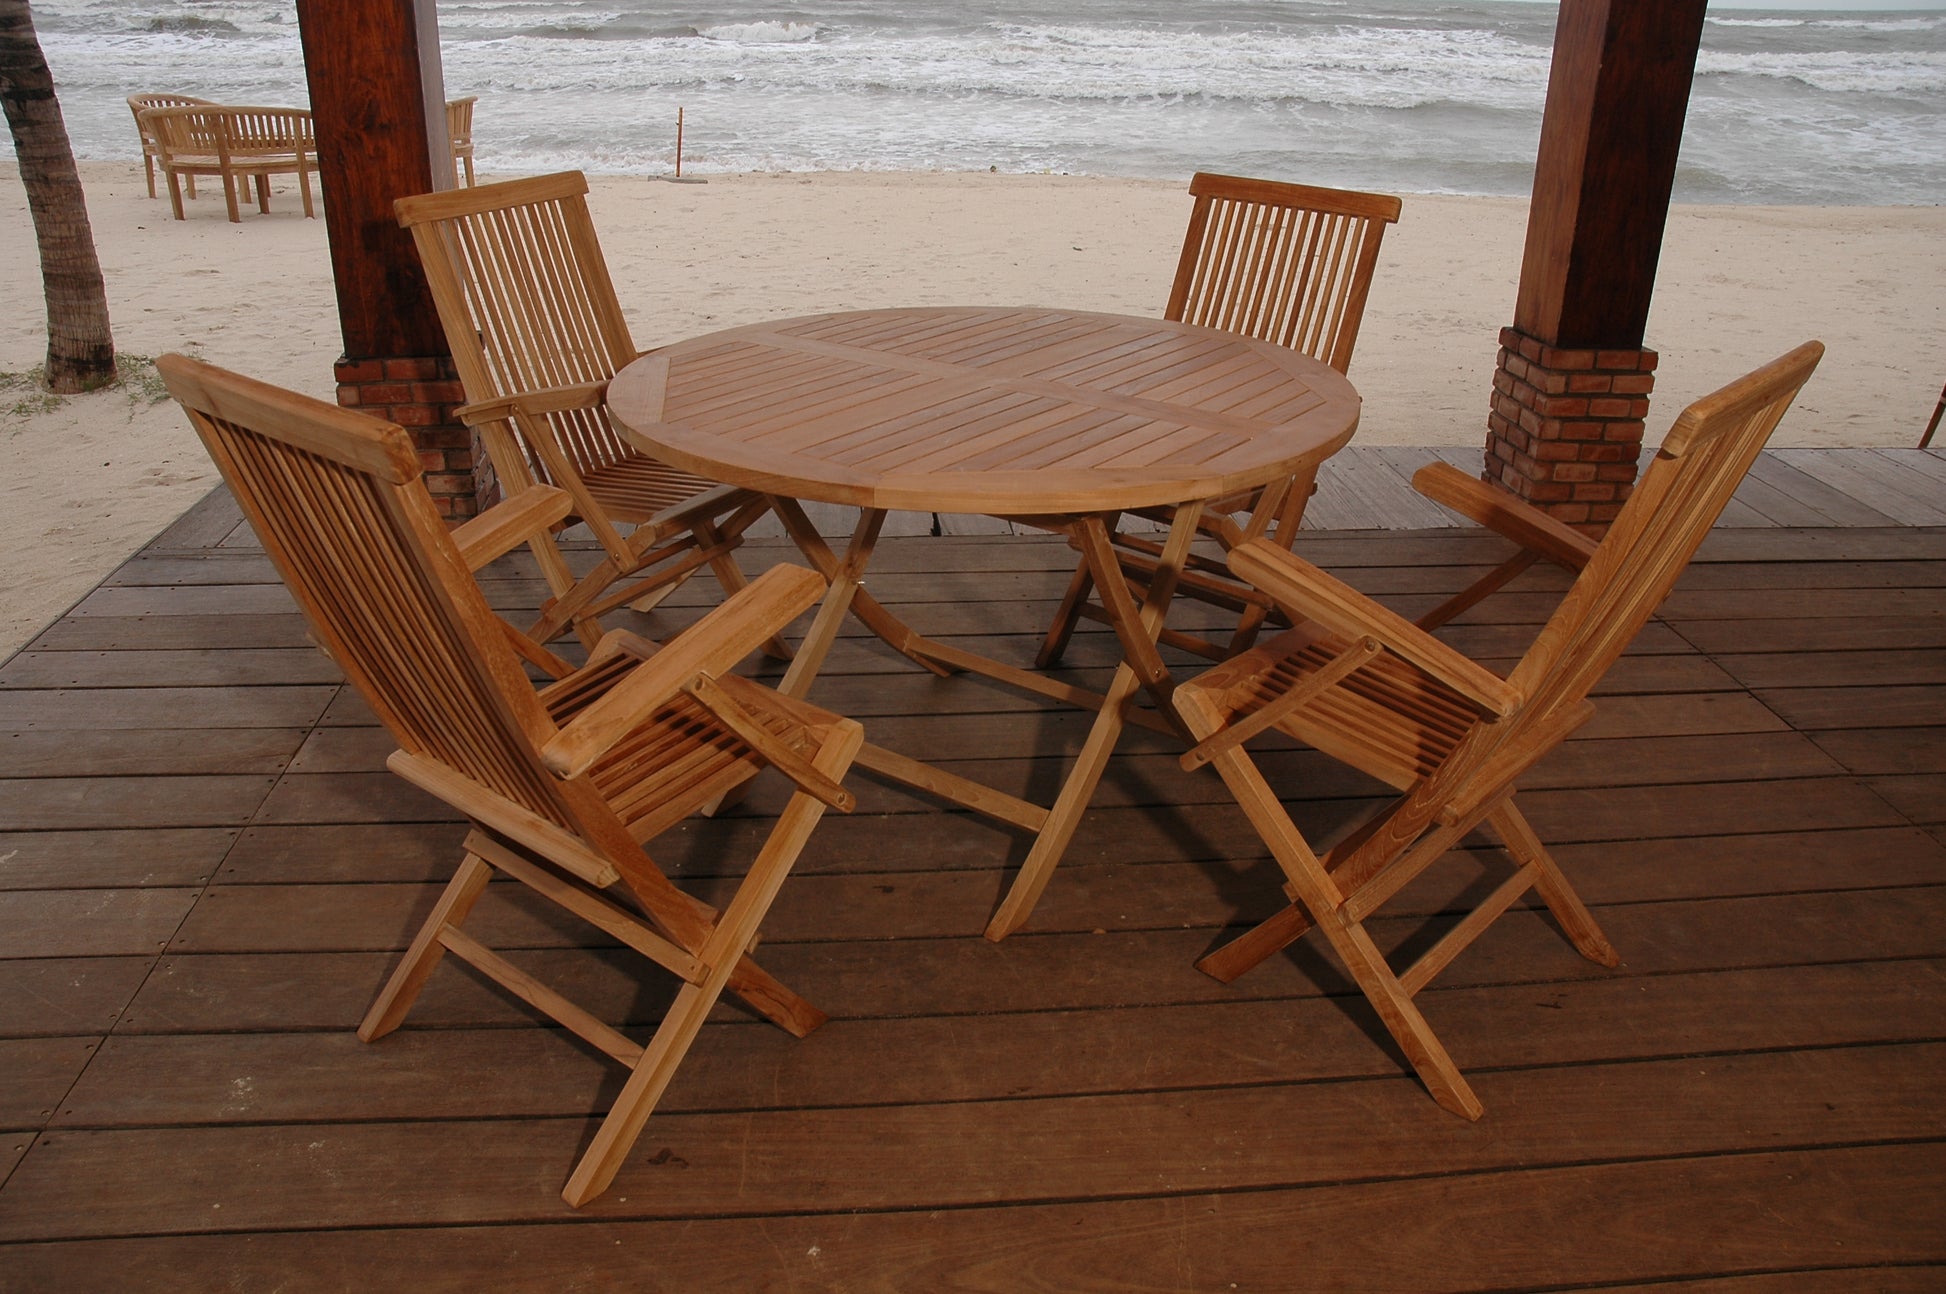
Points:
(80, 350)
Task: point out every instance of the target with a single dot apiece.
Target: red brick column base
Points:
(1566, 428)
(420, 395)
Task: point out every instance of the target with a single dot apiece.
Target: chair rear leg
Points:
(402, 990)
(1576, 921)
(1256, 944)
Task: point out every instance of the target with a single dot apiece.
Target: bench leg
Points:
(175, 193)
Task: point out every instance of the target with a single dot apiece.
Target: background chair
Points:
(536, 332)
(562, 785)
(1360, 684)
(459, 129)
(239, 145)
(141, 103)
(1283, 263)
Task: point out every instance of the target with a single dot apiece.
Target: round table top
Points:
(1010, 411)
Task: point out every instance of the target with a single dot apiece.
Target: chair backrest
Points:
(337, 499)
(1695, 471)
(524, 295)
(187, 130)
(1285, 263)
(141, 103)
(459, 121)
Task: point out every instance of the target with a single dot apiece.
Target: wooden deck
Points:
(205, 873)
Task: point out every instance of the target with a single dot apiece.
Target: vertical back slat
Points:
(1280, 262)
(539, 311)
(369, 562)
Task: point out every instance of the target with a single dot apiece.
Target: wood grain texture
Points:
(985, 410)
(1740, 862)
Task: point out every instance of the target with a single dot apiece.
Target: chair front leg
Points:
(722, 954)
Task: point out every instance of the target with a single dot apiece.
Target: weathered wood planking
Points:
(1855, 1217)
(1753, 814)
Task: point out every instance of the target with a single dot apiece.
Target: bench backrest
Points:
(231, 133)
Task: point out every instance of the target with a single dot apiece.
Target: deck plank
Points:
(76, 1184)
(1843, 1219)
(1754, 816)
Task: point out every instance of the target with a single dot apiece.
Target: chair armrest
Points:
(711, 646)
(780, 754)
(1303, 592)
(510, 523)
(536, 403)
(1504, 514)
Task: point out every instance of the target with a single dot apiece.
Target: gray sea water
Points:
(1408, 95)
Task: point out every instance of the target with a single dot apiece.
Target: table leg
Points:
(847, 593)
(1141, 666)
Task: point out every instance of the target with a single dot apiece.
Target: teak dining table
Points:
(1060, 419)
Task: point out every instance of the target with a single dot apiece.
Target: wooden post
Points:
(1572, 389)
(679, 143)
(378, 102)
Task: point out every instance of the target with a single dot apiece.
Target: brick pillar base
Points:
(420, 395)
(1566, 428)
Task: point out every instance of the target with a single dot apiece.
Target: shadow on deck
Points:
(205, 873)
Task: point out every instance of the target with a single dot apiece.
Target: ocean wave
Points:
(1399, 94)
(760, 33)
(192, 24)
(1915, 75)
(1377, 69)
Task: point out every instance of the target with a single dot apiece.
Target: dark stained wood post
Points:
(1572, 389)
(378, 100)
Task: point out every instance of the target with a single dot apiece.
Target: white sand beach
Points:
(85, 481)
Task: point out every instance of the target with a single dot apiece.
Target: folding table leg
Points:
(1137, 669)
(847, 593)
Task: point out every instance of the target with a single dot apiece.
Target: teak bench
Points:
(234, 143)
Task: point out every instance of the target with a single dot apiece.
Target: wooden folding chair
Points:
(536, 333)
(1364, 686)
(562, 784)
(1283, 263)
